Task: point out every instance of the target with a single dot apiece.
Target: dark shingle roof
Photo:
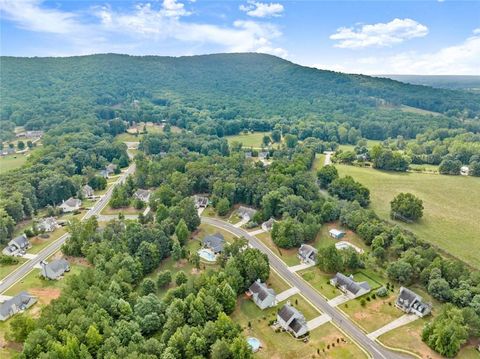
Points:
(215, 242)
(349, 284)
(296, 325)
(408, 295)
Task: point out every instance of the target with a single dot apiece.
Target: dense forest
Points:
(42, 92)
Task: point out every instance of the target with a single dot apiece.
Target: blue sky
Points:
(372, 37)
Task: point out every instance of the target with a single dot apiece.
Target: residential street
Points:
(27, 267)
(371, 346)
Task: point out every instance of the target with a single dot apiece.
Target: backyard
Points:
(253, 139)
(451, 213)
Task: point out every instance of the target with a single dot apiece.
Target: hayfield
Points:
(253, 139)
(451, 219)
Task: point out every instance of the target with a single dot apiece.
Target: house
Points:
(215, 242)
(16, 304)
(263, 155)
(246, 213)
(248, 154)
(142, 194)
(337, 234)
(54, 269)
(87, 191)
(410, 302)
(464, 170)
(348, 286)
(292, 320)
(48, 224)
(109, 170)
(262, 296)
(200, 201)
(307, 254)
(268, 225)
(70, 205)
(17, 245)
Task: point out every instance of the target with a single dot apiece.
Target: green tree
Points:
(223, 206)
(148, 286)
(330, 260)
(21, 145)
(177, 251)
(400, 271)
(164, 279)
(181, 278)
(181, 231)
(266, 140)
(326, 175)
(20, 326)
(347, 188)
(93, 339)
(406, 206)
(291, 140)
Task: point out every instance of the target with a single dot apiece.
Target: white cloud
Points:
(380, 34)
(259, 9)
(459, 59)
(142, 29)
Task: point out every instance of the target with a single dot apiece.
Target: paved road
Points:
(26, 268)
(372, 347)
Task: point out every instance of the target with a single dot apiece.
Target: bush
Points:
(8, 260)
(382, 291)
(363, 302)
(164, 279)
(181, 278)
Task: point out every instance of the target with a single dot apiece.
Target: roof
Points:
(87, 189)
(142, 194)
(110, 167)
(215, 242)
(297, 324)
(20, 241)
(263, 154)
(242, 211)
(47, 223)
(269, 223)
(287, 312)
(261, 290)
(58, 266)
(20, 300)
(72, 202)
(349, 284)
(336, 232)
(306, 250)
(408, 295)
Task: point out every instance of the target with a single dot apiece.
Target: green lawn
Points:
(370, 144)
(289, 256)
(40, 243)
(128, 137)
(283, 345)
(11, 162)
(276, 282)
(320, 281)
(7, 269)
(318, 162)
(249, 140)
(424, 168)
(375, 314)
(451, 214)
(323, 238)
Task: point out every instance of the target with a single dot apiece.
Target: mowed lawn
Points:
(452, 210)
(249, 140)
(11, 162)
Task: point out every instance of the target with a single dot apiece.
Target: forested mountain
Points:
(40, 92)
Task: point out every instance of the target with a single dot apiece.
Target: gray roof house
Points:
(349, 286)
(262, 296)
(70, 205)
(16, 304)
(142, 194)
(411, 302)
(48, 224)
(292, 321)
(268, 225)
(54, 269)
(215, 242)
(246, 212)
(16, 245)
(109, 170)
(87, 191)
(263, 155)
(307, 254)
(248, 154)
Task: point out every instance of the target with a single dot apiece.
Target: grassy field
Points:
(375, 314)
(11, 162)
(7, 269)
(370, 144)
(451, 214)
(320, 281)
(125, 210)
(40, 243)
(283, 345)
(253, 139)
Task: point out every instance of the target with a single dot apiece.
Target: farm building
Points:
(337, 234)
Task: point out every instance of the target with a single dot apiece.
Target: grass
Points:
(125, 210)
(206, 229)
(7, 269)
(283, 345)
(253, 139)
(289, 256)
(299, 302)
(375, 314)
(128, 137)
(276, 282)
(424, 168)
(12, 162)
(318, 162)
(39, 244)
(419, 111)
(450, 219)
(370, 144)
(323, 238)
(320, 281)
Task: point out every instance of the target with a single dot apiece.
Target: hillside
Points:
(39, 92)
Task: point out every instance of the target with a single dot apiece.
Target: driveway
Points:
(287, 294)
(403, 320)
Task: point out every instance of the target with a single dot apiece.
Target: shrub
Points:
(382, 291)
(363, 302)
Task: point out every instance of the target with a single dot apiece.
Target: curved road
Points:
(27, 267)
(372, 347)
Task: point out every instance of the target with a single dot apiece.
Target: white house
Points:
(142, 194)
(70, 205)
(268, 225)
(262, 296)
(87, 191)
(48, 224)
(307, 254)
(411, 302)
(215, 242)
(200, 201)
(17, 245)
(292, 320)
(348, 286)
(16, 304)
(246, 213)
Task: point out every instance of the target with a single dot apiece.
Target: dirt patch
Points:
(45, 295)
(181, 263)
(75, 260)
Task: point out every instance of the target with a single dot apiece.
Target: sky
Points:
(428, 37)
